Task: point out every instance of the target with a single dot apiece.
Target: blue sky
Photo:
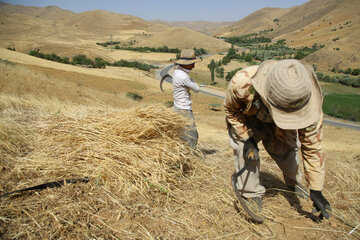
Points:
(183, 10)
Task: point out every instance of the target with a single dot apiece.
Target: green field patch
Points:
(346, 106)
(336, 88)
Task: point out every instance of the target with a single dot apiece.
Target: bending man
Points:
(280, 104)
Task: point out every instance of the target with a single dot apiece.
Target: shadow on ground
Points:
(208, 151)
(275, 186)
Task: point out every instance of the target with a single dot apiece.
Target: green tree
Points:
(300, 55)
(232, 52)
(99, 63)
(220, 72)
(248, 58)
(348, 71)
(314, 67)
(319, 75)
(66, 60)
(355, 71)
(212, 67)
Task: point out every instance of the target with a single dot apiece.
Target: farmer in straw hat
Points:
(280, 104)
(182, 84)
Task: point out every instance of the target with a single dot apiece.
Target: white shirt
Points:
(182, 83)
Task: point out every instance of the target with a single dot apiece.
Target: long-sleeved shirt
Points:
(242, 102)
(182, 84)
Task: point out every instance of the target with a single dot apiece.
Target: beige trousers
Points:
(285, 153)
(190, 134)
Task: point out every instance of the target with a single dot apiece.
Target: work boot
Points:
(254, 204)
(300, 191)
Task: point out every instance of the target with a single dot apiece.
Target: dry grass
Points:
(130, 156)
(139, 56)
(184, 38)
(145, 183)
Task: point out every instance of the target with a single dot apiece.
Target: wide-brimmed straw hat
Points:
(291, 92)
(187, 57)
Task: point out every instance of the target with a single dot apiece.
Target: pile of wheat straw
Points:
(112, 145)
(133, 158)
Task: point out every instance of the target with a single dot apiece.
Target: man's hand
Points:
(251, 152)
(320, 203)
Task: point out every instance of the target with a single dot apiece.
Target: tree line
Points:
(81, 59)
(105, 44)
(247, 39)
(163, 49)
(355, 71)
(344, 80)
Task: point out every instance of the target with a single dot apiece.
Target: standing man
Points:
(182, 84)
(280, 104)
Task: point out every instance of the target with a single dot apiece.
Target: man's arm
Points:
(312, 152)
(314, 166)
(237, 101)
(190, 83)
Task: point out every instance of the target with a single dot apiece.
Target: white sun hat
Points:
(290, 91)
(187, 57)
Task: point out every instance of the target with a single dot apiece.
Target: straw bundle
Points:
(112, 145)
(132, 157)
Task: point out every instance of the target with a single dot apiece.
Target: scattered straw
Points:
(133, 156)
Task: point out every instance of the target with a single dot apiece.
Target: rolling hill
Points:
(184, 38)
(104, 22)
(255, 22)
(206, 27)
(68, 33)
(333, 23)
(50, 12)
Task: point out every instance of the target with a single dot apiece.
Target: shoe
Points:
(300, 191)
(254, 204)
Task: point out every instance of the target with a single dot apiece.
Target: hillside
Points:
(338, 29)
(260, 20)
(104, 22)
(184, 38)
(24, 33)
(333, 23)
(157, 28)
(52, 13)
(206, 27)
(306, 14)
(69, 34)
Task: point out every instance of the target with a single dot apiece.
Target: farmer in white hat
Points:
(182, 84)
(280, 104)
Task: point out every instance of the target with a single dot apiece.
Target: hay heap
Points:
(134, 158)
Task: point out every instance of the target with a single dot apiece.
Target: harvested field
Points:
(139, 56)
(143, 182)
